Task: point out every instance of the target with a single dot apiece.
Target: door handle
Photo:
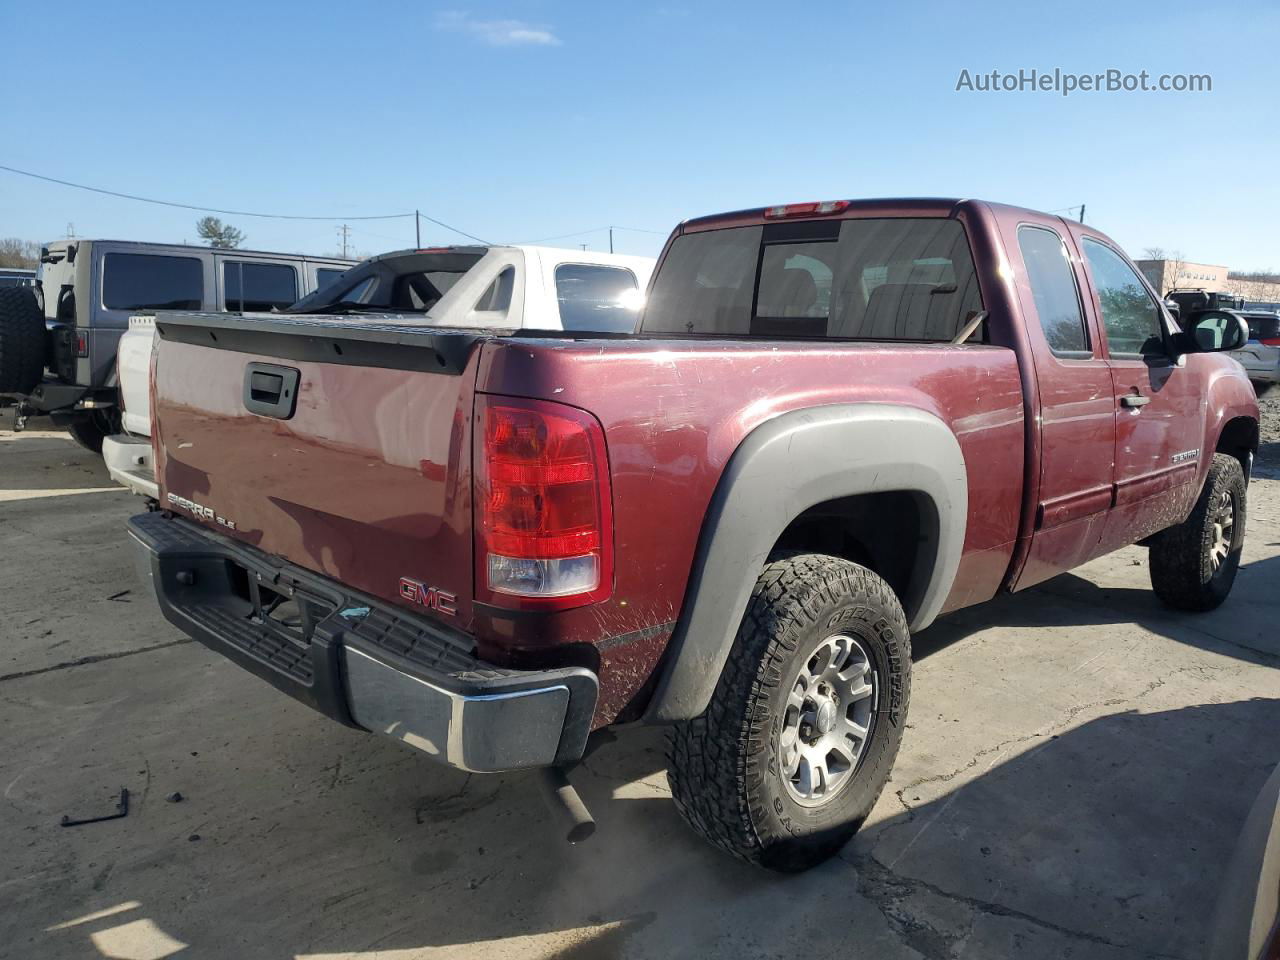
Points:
(270, 390)
(1134, 400)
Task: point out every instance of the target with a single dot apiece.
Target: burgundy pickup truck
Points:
(837, 422)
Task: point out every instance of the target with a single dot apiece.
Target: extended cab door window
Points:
(1054, 289)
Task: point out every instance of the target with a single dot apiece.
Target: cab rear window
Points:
(892, 279)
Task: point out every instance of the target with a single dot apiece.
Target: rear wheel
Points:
(1194, 564)
(1262, 387)
(803, 728)
(21, 340)
(91, 427)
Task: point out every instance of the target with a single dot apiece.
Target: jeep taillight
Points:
(544, 535)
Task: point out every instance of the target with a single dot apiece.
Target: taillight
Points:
(544, 521)
(805, 209)
(1271, 341)
(82, 345)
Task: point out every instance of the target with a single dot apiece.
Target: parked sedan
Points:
(1261, 355)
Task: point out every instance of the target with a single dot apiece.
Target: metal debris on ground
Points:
(122, 810)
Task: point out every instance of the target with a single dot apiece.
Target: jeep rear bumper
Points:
(358, 660)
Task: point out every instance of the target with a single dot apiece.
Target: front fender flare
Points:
(785, 466)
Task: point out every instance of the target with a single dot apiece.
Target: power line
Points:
(236, 213)
(191, 206)
(581, 233)
(441, 223)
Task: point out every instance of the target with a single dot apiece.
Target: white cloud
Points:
(498, 33)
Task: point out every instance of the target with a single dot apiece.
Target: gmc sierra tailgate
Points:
(343, 447)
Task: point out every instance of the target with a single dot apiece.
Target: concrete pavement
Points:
(1077, 763)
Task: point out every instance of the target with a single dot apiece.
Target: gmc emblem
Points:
(440, 601)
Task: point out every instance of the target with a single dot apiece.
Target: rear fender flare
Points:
(783, 467)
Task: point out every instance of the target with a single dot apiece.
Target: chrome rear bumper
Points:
(359, 660)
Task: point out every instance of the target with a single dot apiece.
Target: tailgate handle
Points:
(270, 390)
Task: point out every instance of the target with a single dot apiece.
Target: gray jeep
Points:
(58, 339)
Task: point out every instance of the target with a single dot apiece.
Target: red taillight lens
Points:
(542, 504)
(805, 209)
(1271, 341)
(82, 345)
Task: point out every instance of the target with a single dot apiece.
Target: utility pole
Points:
(583, 246)
(417, 227)
(611, 239)
(344, 231)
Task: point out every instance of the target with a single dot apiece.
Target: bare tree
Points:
(1260, 276)
(219, 234)
(1172, 263)
(19, 253)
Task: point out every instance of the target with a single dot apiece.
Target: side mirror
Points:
(1214, 331)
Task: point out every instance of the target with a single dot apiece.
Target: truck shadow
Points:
(1108, 840)
(1118, 830)
(1243, 627)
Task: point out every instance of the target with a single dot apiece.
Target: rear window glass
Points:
(598, 298)
(877, 279)
(258, 286)
(1264, 328)
(144, 281)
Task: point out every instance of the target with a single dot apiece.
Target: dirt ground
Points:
(1077, 765)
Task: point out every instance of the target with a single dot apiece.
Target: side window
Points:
(1131, 317)
(144, 281)
(1053, 285)
(258, 286)
(326, 276)
(595, 297)
(497, 296)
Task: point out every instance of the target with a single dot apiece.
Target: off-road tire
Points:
(22, 339)
(1182, 572)
(1262, 387)
(90, 428)
(722, 766)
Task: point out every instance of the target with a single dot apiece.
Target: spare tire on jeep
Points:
(21, 340)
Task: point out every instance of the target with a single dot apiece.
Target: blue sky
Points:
(521, 120)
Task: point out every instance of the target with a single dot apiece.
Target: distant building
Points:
(1166, 275)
